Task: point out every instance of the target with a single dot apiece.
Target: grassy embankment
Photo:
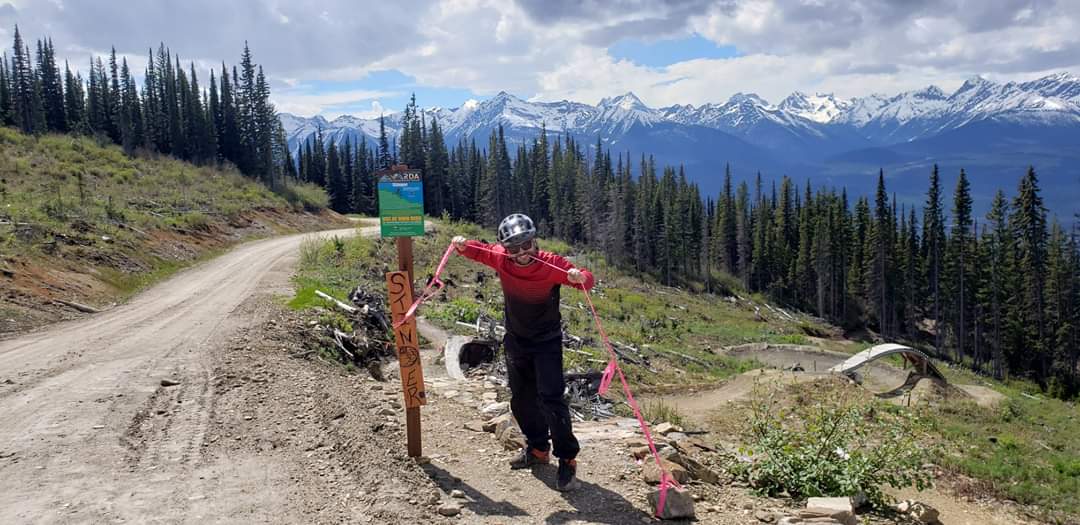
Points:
(82, 221)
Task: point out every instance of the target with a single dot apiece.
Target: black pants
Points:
(536, 394)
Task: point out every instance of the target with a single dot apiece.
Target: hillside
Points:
(82, 224)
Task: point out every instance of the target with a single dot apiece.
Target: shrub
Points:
(305, 195)
(831, 442)
(195, 220)
(659, 412)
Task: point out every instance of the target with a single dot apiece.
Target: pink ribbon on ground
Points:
(434, 287)
(605, 383)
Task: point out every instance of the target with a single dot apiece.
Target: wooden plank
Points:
(407, 339)
(399, 292)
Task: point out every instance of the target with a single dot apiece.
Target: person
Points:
(531, 279)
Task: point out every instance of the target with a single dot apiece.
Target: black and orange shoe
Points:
(530, 456)
(567, 475)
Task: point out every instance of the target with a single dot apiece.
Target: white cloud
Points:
(555, 49)
(301, 101)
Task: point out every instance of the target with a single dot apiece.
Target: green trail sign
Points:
(401, 202)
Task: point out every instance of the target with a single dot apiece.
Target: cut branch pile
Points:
(368, 344)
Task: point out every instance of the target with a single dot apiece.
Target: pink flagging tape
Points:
(605, 383)
(434, 287)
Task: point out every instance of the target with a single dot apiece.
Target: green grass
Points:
(1026, 449)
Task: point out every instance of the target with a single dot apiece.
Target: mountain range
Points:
(992, 130)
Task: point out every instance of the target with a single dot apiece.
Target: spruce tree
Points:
(958, 263)
(228, 120)
(7, 117)
(113, 110)
(436, 172)
(877, 270)
(384, 159)
(335, 185)
(1029, 230)
(74, 101)
(26, 104)
(52, 91)
(933, 253)
(1060, 314)
(998, 243)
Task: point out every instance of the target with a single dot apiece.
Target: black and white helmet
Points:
(516, 229)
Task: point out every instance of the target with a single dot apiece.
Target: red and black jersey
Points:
(531, 292)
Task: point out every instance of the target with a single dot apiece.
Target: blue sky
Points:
(665, 52)
(332, 57)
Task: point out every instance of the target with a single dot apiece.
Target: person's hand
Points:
(575, 276)
(458, 242)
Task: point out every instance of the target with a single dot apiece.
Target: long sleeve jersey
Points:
(531, 292)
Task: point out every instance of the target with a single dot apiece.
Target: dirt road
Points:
(79, 440)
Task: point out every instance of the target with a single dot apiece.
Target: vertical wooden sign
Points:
(399, 290)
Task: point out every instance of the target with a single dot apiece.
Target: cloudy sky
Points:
(333, 56)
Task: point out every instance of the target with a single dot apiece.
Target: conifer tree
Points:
(384, 159)
(228, 120)
(7, 117)
(26, 103)
(879, 266)
(335, 180)
(112, 97)
(1060, 314)
(52, 92)
(998, 244)
(436, 171)
(958, 263)
(74, 101)
(131, 120)
(933, 253)
(1029, 227)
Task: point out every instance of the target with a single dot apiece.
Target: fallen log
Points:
(80, 307)
(692, 359)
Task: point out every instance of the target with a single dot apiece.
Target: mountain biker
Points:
(531, 279)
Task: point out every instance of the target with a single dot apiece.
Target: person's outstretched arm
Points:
(478, 251)
(573, 277)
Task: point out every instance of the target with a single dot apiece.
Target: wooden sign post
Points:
(401, 213)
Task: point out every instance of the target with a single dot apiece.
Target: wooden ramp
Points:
(919, 360)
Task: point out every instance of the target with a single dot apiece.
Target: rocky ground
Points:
(340, 438)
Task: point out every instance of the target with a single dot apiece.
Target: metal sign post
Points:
(401, 215)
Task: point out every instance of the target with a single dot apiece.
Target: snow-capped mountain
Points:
(819, 135)
(878, 118)
(821, 108)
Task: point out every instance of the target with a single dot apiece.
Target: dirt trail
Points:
(89, 433)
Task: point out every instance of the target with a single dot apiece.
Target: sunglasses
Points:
(524, 247)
